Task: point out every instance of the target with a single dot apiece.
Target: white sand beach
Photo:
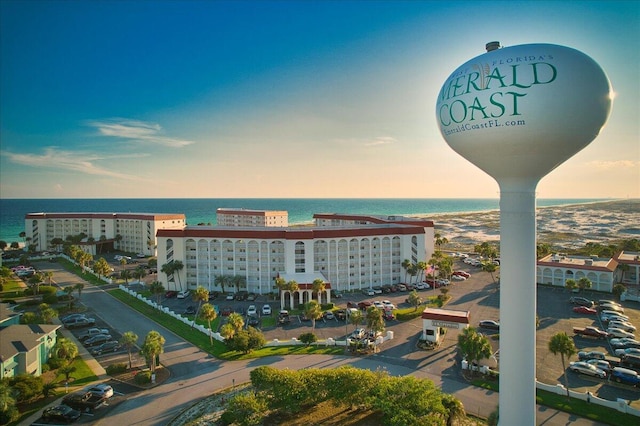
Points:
(560, 226)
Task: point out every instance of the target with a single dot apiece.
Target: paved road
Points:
(196, 375)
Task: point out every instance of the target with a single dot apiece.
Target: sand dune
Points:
(562, 227)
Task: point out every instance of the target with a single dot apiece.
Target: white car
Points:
(229, 297)
(183, 294)
(422, 286)
(252, 310)
(458, 278)
(388, 305)
(623, 325)
(101, 389)
(585, 368)
(627, 351)
(378, 304)
(266, 310)
(601, 364)
(443, 281)
(618, 332)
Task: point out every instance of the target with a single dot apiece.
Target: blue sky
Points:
(284, 99)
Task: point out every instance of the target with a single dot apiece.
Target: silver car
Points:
(586, 368)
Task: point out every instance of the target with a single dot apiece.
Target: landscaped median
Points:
(218, 349)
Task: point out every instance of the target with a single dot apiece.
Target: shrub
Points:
(327, 306)
(406, 316)
(116, 368)
(143, 377)
(50, 299)
(308, 338)
(54, 362)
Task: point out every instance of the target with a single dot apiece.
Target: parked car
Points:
(582, 301)
(283, 317)
(80, 322)
(61, 413)
(336, 294)
(631, 361)
(377, 290)
(70, 317)
(627, 351)
(97, 340)
(251, 297)
(103, 390)
(618, 332)
(253, 320)
(626, 326)
(92, 332)
(489, 324)
(586, 368)
(341, 314)
(226, 311)
(614, 308)
(183, 294)
(388, 305)
(364, 305)
(443, 281)
(328, 315)
(462, 274)
(190, 310)
(613, 314)
(388, 315)
(110, 346)
(458, 278)
(252, 310)
(358, 333)
(624, 342)
(402, 287)
(266, 310)
(378, 304)
(229, 296)
(584, 310)
(584, 355)
(601, 364)
(83, 401)
(625, 376)
(170, 294)
(608, 302)
(368, 292)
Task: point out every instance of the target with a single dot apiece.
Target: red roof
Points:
(449, 315)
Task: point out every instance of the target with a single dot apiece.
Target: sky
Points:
(289, 99)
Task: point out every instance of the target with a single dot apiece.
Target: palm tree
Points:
(129, 340)
(440, 240)
(208, 313)
(65, 349)
(318, 287)
(489, 267)
(139, 273)
(312, 311)
(168, 270)
(220, 280)
(200, 295)
(236, 322)
(421, 266)
(49, 277)
(177, 267)
(152, 347)
(238, 281)
(125, 274)
(570, 284)
(562, 344)
(79, 287)
(405, 265)
(583, 283)
(156, 288)
(455, 409)
(356, 318)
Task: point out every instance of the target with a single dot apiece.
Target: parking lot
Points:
(481, 297)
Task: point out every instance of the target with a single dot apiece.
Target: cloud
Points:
(136, 130)
(80, 162)
(609, 165)
(378, 141)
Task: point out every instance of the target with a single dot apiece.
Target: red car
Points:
(584, 310)
(170, 294)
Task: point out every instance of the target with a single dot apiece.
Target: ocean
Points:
(203, 210)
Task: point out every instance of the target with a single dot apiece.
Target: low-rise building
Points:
(128, 232)
(556, 269)
(24, 348)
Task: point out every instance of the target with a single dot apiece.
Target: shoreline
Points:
(562, 227)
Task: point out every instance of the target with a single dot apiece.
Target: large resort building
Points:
(246, 217)
(353, 253)
(103, 232)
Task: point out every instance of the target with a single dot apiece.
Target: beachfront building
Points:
(255, 218)
(629, 267)
(103, 232)
(556, 269)
(353, 257)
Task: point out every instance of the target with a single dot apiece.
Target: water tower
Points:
(518, 113)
